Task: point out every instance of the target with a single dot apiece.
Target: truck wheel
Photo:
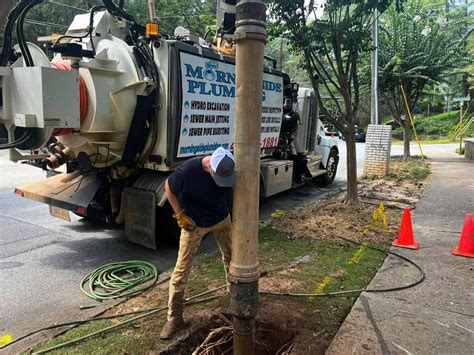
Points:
(331, 169)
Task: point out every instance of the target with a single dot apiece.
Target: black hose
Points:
(25, 51)
(25, 136)
(146, 57)
(93, 10)
(7, 39)
(91, 24)
(207, 34)
(420, 279)
(117, 11)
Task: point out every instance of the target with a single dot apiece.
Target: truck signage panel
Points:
(208, 106)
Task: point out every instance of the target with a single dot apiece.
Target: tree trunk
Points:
(406, 139)
(352, 198)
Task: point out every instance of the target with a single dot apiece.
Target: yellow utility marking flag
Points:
(379, 215)
(381, 208)
(375, 215)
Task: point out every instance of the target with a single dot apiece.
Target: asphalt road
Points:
(43, 259)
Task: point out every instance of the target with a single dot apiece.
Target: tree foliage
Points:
(331, 47)
(293, 62)
(55, 17)
(417, 47)
(195, 15)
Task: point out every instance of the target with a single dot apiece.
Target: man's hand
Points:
(185, 222)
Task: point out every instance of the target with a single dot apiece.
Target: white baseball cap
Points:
(223, 166)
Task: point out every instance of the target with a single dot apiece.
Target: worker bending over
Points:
(199, 192)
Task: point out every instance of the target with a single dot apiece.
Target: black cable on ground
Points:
(190, 301)
(420, 279)
(115, 326)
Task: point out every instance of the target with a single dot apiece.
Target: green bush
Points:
(419, 172)
(435, 127)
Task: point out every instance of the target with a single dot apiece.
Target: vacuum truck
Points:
(117, 106)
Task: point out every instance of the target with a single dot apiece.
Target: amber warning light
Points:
(152, 30)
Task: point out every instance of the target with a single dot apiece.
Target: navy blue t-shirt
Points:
(199, 196)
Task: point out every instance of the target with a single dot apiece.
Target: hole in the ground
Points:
(214, 336)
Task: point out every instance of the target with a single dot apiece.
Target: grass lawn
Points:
(428, 141)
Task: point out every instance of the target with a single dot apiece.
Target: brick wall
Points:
(377, 150)
(469, 148)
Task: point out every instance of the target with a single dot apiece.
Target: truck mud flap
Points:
(140, 220)
(141, 201)
(73, 192)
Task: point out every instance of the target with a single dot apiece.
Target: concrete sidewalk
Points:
(437, 316)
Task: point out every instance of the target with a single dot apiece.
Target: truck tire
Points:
(331, 169)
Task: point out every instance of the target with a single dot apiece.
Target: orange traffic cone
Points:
(405, 238)
(466, 243)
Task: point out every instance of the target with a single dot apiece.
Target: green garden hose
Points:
(122, 279)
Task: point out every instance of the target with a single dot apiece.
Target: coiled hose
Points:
(121, 279)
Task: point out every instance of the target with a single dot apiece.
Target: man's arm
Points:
(183, 221)
(173, 200)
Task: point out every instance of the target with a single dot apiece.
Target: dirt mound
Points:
(324, 221)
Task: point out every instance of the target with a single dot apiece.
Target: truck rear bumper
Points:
(73, 192)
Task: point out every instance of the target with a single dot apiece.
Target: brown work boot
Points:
(171, 327)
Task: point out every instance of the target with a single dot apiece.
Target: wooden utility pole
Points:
(250, 36)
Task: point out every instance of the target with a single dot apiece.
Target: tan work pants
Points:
(188, 245)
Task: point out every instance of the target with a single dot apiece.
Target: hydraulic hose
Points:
(19, 10)
(7, 39)
(25, 136)
(117, 10)
(25, 51)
